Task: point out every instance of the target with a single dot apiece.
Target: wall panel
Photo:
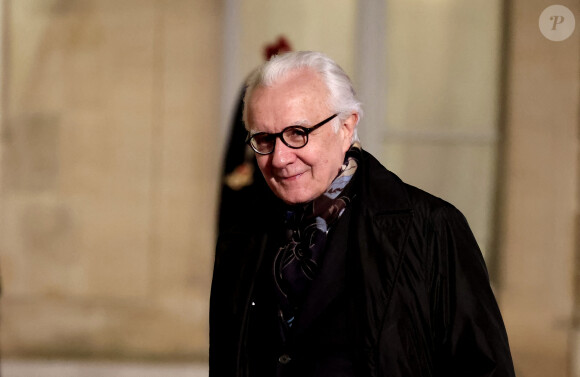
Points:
(109, 177)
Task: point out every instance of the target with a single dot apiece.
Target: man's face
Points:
(299, 175)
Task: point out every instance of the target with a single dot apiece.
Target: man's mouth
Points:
(290, 177)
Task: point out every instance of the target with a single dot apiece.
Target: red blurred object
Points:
(278, 47)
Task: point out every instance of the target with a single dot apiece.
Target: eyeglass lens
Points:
(294, 137)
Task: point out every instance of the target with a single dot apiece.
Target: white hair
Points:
(342, 97)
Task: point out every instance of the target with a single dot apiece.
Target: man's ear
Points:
(347, 127)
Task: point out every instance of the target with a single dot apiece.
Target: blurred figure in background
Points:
(242, 182)
(345, 270)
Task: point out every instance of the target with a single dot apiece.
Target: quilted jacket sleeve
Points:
(470, 337)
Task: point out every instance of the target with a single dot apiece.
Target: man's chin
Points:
(293, 198)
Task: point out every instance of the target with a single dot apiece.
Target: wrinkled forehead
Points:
(297, 97)
(300, 94)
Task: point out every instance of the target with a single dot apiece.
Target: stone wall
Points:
(109, 176)
(540, 196)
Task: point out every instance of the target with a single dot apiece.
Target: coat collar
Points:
(381, 190)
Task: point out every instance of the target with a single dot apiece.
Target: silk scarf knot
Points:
(298, 261)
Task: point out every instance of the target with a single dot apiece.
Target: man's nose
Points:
(282, 155)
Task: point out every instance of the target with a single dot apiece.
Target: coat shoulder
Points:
(385, 192)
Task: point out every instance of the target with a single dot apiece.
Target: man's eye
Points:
(263, 138)
(295, 132)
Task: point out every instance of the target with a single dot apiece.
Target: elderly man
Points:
(346, 270)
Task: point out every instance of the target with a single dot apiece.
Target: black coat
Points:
(416, 279)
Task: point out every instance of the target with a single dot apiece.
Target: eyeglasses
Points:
(295, 137)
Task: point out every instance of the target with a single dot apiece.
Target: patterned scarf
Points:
(298, 260)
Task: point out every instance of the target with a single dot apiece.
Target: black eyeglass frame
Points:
(279, 135)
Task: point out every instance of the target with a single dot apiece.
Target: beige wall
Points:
(538, 227)
(109, 176)
(323, 25)
(443, 80)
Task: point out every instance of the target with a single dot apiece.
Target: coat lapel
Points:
(376, 252)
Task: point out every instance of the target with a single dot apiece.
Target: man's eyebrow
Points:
(303, 122)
